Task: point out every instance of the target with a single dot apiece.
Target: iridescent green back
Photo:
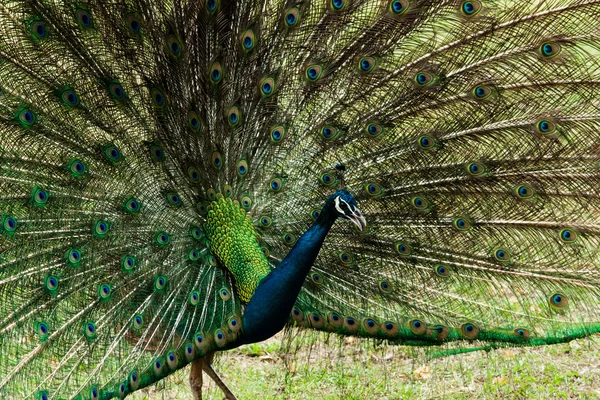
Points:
(469, 133)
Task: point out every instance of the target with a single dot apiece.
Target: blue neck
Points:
(270, 306)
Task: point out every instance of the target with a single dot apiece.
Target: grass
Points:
(351, 369)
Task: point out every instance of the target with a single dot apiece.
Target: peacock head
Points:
(343, 205)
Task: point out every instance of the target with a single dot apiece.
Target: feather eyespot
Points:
(521, 333)
(469, 330)
(9, 225)
(424, 78)
(196, 233)
(193, 174)
(158, 97)
(69, 98)
(389, 328)
(41, 328)
(201, 207)
(116, 91)
(265, 221)
(158, 366)
(267, 87)
(233, 116)
(545, 126)
(289, 238)
(77, 168)
(38, 29)
(174, 45)
(477, 169)
(346, 258)
(470, 8)
(403, 249)
(417, 327)
(160, 282)
(162, 238)
(328, 179)
(374, 129)
(502, 255)
(367, 64)
(172, 360)
(373, 189)
(524, 192)
(351, 325)
(112, 154)
(84, 19)
(225, 294)
(134, 24)
(481, 92)
(40, 197)
(90, 330)
(277, 134)
(212, 6)
(193, 255)
(428, 142)
(104, 291)
(216, 72)
(420, 203)
(550, 49)
(246, 202)
(313, 72)
(292, 17)
(297, 314)
(217, 161)
(199, 341)
(220, 338)
(248, 40)
(370, 325)
(26, 117)
(227, 190)
(439, 332)
(441, 270)
(212, 193)
(385, 287)
(329, 132)
(316, 278)
(123, 390)
(132, 206)
(558, 301)
(193, 120)
(101, 228)
(173, 199)
(73, 257)
(338, 5)
(276, 184)
(190, 352)
(134, 380)
(128, 263)
(462, 224)
(399, 7)
(568, 235)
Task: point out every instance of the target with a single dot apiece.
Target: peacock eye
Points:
(158, 97)
(84, 18)
(470, 8)
(441, 270)
(38, 28)
(525, 192)
(568, 235)
(545, 126)
(366, 64)
(313, 72)
(477, 169)
(338, 5)
(292, 16)
(174, 46)
(550, 49)
(134, 24)
(248, 40)
(424, 78)
(69, 98)
(267, 87)
(277, 133)
(399, 7)
(481, 92)
(233, 116)
(216, 72)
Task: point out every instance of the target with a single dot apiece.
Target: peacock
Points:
(181, 177)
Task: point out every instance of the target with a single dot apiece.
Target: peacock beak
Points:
(358, 219)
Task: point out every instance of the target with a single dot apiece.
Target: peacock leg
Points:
(211, 372)
(196, 378)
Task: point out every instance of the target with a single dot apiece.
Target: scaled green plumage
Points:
(159, 158)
